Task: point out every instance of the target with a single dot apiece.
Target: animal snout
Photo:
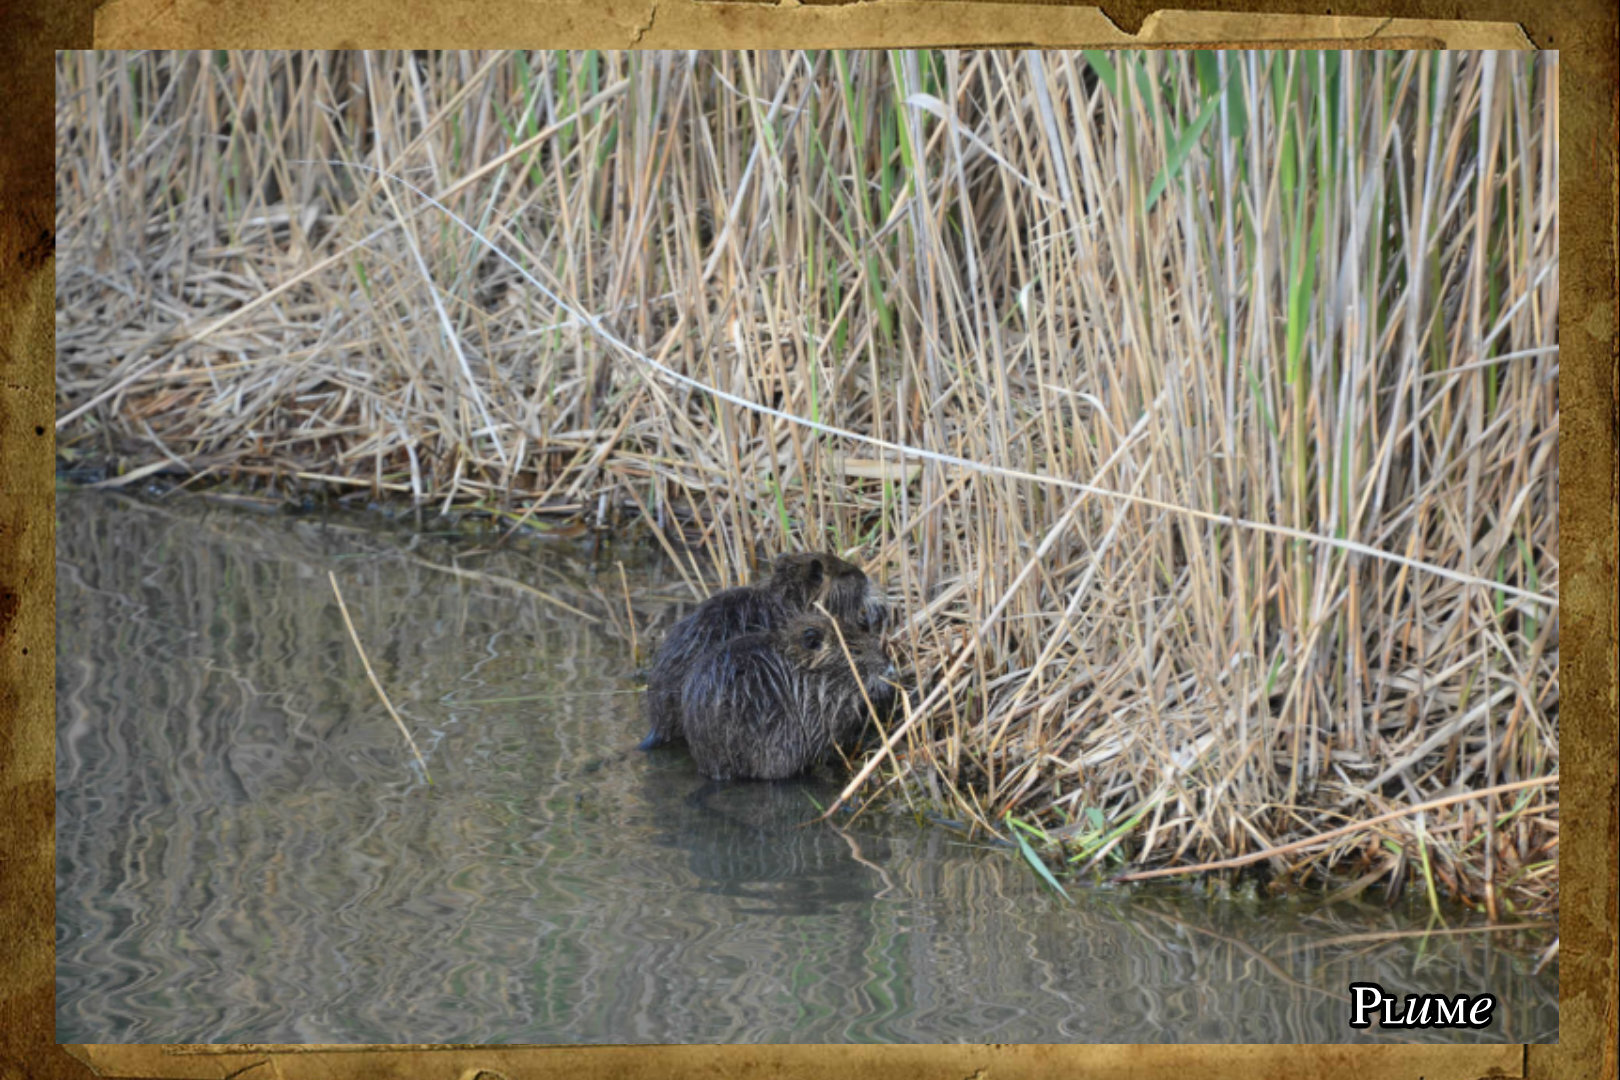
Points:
(875, 612)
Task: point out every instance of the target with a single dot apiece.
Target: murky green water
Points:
(246, 851)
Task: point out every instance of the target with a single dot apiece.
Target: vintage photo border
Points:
(1584, 31)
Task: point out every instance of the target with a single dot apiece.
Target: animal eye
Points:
(812, 639)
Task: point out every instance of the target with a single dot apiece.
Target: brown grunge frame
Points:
(1583, 30)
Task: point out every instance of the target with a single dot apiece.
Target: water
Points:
(246, 851)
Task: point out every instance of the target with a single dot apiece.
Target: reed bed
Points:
(1227, 527)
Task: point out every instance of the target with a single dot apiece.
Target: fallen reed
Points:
(1156, 317)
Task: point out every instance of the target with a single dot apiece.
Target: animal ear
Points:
(814, 575)
(811, 638)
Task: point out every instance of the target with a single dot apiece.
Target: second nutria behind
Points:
(765, 706)
(797, 581)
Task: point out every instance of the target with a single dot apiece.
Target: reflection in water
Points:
(246, 851)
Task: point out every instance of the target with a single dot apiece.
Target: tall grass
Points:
(1254, 356)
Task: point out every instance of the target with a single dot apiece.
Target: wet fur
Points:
(766, 706)
(797, 581)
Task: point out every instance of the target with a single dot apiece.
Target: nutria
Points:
(796, 582)
(767, 705)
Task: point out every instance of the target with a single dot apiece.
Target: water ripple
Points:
(245, 852)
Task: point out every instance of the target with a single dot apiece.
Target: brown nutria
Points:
(797, 581)
(765, 706)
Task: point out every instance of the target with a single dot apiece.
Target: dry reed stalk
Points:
(376, 684)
